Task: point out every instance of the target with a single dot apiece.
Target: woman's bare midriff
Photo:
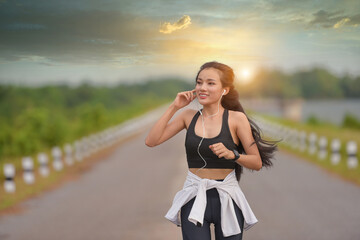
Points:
(211, 173)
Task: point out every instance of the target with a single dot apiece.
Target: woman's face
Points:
(208, 86)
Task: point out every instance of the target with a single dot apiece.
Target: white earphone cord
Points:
(203, 133)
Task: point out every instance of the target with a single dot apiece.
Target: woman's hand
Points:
(221, 151)
(184, 98)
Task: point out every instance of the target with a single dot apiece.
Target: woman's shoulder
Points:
(188, 115)
(237, 119)
(237, 115)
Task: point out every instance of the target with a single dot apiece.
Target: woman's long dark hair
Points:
(231, 101)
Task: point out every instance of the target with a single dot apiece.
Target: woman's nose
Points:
(202, 87)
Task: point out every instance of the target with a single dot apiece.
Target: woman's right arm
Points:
(162, 130)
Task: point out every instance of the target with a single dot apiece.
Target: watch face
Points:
(236, 154)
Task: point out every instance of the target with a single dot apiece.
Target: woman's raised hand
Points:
(184, 98)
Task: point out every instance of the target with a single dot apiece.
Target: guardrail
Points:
(73, 153)
(309, 141)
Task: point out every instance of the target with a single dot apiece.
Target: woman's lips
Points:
(202, 96)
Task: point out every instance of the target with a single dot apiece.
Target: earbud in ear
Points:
(224, 92)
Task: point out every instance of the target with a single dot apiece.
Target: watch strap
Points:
(237, 155)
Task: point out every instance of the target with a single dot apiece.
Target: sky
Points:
(110, 41)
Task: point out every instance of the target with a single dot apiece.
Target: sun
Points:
(244, 75)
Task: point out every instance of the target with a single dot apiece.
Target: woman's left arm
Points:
(252, 158)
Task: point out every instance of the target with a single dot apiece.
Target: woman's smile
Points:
(203, 95)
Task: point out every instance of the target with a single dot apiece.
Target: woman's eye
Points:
(197, 82)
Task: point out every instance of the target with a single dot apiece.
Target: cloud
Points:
(167, 27)
(355, 20)
(341, 23)
(335, 19)
(325, 19)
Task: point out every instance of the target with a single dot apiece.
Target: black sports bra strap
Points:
(226, 120)
(226, 114)
(193, 121)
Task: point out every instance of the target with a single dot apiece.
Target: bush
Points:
(350, 121)
(313, 120)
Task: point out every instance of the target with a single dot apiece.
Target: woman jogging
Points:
(218, 146)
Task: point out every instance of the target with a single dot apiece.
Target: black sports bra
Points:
(213, 161)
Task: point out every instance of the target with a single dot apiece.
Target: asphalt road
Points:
(126, 196)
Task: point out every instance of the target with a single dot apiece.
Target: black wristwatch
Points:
(237, 155)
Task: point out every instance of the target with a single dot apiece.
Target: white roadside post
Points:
(322, 148)
(302, 141)
(85, 146)
(57, 163)
(43, 161)
(312, 143)
(9, 172)
(335, 151)
(68, 154)
(78, 151)
(351, 150)
(91, 145)
(28, 170)
(94, 143)
(296, 139)
(293, 140)
(97, 142)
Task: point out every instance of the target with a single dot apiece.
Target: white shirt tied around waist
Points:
(228, 189)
